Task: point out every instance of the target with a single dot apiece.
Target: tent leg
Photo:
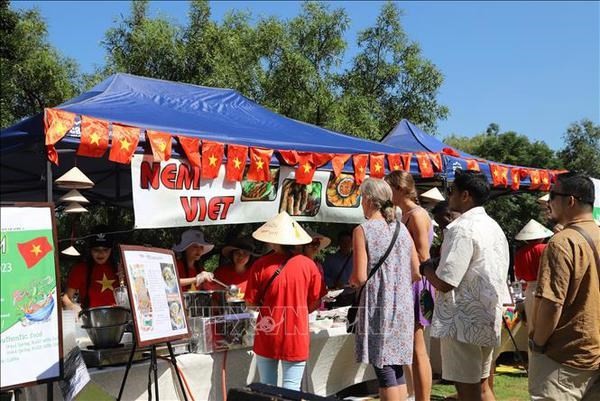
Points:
(49, 180)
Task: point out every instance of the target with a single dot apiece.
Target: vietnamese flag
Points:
(290, 157)
(394, 162)
(338, 161)
(406, 158)
(534, 176)
(436, 160)
(473, 165)
(236, 162)
(306, 168)
(515, 175)
(360, 167)
(191, 148)
(34, 250)
(450, 152)
(56, 124)
(499, 174)
(160, 142)
(124, 142)
(320, 159)
(425, 165)
(545, 180)
(259, 164)
(94, 137)
(212, 157)
(376, 165)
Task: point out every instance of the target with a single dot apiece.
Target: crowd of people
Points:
(455, 290)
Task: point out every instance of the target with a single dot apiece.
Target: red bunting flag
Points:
(56, 124)
(212, 157)
(515, 175)
(34, 250)
(124, 142)
(236, 162)
(450, 152)
(360, 167)
(160, 142)
(94, 137)
(306, 168)
(259, 164)
(425, 165)
(499, 175)
(436, 160)
(337, 162)
(534, 176)
(545, 180)
(406, 158)
(473, 165)
(290, 157)
(191, 148)
(376, 165)
(394, 162)
(320, 159)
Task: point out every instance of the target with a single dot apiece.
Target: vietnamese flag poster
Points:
(29, 302)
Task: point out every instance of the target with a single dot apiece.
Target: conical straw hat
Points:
(74, 178)
(324, 241)
(533, 230)
(282, 230)
(544, 198)
(70, 251)
(75, 207)
(73, 196)
(433, 194)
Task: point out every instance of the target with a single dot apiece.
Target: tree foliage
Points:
(582, 148)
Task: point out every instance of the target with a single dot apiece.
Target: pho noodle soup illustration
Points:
(36, 301)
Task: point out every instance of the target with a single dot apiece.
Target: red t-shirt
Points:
(192, 272)
(102, 282)
(282, 325)
(527, 261)
(229, 276)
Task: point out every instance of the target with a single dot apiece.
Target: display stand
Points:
(153, 371)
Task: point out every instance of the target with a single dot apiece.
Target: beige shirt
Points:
(568, 276)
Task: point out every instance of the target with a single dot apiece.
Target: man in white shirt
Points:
(471, 283)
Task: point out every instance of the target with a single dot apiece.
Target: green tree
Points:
(582, 148)
(34, 74)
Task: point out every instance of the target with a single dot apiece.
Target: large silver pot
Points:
(104, 316)
(106, 336)
(204, 303)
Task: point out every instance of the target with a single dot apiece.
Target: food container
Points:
(105, 316)
(204, 303)
(106, 336)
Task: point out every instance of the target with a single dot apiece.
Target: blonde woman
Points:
(384, 325)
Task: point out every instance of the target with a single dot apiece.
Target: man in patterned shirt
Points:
(471, 283)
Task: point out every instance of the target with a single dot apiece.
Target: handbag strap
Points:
(587, 237)
(382, 259)
(273, 277)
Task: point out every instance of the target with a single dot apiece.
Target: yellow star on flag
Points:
(396, 167)
(105, 283)
(237, 163)
(95, 138)
(161, 145)
(125, 144)
(361, 169)
(259, 164)
(212, 160)
(36, 249)
(60, 127)
(306, 167)
(377, 167)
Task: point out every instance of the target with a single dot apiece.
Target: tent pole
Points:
(48, 181)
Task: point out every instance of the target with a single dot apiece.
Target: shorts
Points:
(465, 363)
(390, 375)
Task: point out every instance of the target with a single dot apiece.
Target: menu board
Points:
(30, 319)
(154, 295)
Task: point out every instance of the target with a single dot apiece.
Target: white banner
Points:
(597, 200)
(171, 194)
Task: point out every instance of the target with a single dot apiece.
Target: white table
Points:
(331, 367)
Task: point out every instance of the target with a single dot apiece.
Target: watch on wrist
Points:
(540, 349)
(422, 268)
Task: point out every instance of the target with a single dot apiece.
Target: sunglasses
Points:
(554, 194)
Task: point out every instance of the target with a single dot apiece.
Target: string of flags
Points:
(207, 156)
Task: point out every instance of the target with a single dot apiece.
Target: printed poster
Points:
(31, 349)
(155, 295)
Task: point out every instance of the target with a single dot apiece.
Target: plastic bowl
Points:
(104, 316)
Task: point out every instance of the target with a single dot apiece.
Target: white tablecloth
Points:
(330, 368)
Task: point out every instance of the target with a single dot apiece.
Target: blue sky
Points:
(531, 67)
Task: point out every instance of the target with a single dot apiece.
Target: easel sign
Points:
(154, 295)
(30, 309)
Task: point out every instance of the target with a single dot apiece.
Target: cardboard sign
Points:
(30, 318)
(172, 194)
(154, 295)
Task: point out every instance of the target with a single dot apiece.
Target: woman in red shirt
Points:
(240, 254)
(527, 258)
(94, 279)
(190, 249)
(286, 287)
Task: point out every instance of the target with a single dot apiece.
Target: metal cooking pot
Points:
(104, 316)
(204, 303)
(106, 336)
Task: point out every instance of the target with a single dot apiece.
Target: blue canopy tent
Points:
(221, 115)
(409, 137)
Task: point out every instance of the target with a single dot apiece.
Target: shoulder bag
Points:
(352, 312)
